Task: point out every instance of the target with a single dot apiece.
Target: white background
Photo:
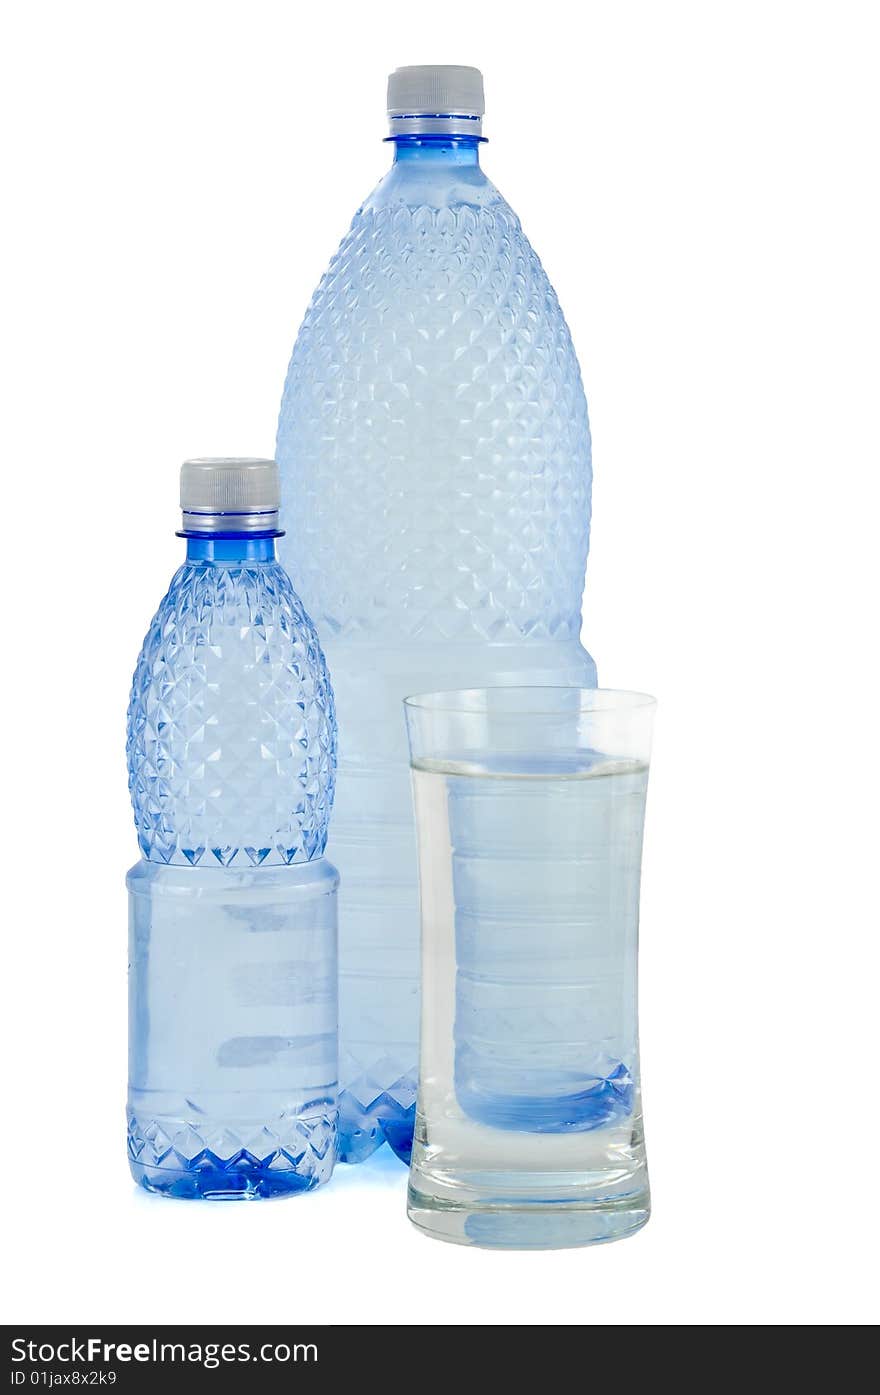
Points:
(701, 183)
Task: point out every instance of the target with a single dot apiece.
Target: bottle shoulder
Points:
(434, 429)
(441, 275)
(231, 733)
(420, 227)
(204, 597)
(234, 620)
(416, 186)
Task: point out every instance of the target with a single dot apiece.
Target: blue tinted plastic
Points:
(434, 434)
(231, 753)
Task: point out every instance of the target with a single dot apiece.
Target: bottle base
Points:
(208, 1183)
(171, 1158)
(364, 1128)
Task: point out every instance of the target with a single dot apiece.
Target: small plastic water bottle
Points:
(434, 429)
(232, 959)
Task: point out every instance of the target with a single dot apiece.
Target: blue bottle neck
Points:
(434, 151)
(230, 547)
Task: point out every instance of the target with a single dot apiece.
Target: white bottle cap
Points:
(436, 99)
(237, 493)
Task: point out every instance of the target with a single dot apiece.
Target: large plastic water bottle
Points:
(232, 963)
(434, 435)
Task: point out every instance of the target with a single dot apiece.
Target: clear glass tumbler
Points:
(530, 807)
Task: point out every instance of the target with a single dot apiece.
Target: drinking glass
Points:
(530, 808)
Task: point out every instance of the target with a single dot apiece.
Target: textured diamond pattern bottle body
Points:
(434, 429)
(232, 976)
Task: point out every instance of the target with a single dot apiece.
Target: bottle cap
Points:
(239, 494)
(436, 99)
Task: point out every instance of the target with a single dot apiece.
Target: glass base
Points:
(533, 1225)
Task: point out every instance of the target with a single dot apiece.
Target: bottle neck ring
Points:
(439, 124)
(255, 522)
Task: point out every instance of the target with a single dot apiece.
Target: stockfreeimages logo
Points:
(96, 1352)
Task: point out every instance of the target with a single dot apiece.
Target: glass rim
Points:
(473, 701)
